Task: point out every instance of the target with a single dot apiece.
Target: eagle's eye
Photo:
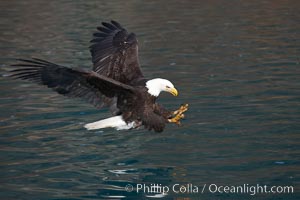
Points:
(167, 87)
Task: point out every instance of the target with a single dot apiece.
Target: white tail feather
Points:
(112, 122)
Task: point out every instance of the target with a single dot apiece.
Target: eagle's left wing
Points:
(115, 53)
(71, 82)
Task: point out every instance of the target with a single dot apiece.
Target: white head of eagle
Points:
(157, 85)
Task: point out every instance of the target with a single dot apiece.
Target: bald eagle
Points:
(116, 81)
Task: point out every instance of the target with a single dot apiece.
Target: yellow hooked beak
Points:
(173, 91)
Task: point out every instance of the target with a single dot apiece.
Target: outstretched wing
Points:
(70, 82)
(115, 53)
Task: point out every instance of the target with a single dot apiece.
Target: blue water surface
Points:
(235, 62)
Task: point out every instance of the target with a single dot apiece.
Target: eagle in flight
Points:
(116, 81)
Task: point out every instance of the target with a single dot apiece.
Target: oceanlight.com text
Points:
(155, 188)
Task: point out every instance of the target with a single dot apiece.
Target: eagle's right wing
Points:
(71, 82)
(115, 53)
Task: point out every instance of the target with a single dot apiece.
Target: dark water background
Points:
(235, 62)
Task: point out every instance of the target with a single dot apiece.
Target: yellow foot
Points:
(178, 114)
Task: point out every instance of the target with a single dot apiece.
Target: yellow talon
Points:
(178, 114)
